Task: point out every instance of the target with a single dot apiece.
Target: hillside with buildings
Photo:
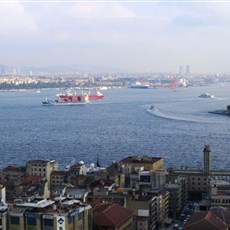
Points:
(136, 192)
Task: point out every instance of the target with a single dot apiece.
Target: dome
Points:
(81, 162)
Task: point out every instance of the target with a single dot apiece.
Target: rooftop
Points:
(141, 159)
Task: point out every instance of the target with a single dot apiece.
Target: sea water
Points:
(117, 126)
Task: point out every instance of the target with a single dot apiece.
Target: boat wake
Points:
(179, 117)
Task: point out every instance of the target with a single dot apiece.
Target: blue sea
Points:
(117, 126)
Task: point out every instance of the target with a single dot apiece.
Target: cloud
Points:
(101, 10)
(15, 20)
(126, 34)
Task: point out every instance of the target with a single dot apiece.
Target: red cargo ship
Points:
(96, 95)
(91, 96)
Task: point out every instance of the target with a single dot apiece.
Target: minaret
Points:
(207, 160)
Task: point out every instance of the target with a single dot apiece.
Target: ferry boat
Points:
(206, 95)
(76, 101)
(138, 85)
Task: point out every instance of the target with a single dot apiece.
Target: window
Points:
(80, 216)
(70, 220)
(48, 222)
(31, 221)
(14, 220)
(145, 178)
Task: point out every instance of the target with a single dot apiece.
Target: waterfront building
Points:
(218, 196)
(131, 165)
(41, 168)
(198, 179)
(57, 178)
(12, 173)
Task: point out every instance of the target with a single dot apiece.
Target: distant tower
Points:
(2, 69)
(181, 70)
(187, 70)
(207, 159)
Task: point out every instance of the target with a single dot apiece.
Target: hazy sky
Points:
(137, 36)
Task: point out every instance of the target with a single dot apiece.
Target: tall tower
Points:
(181, 70)
(2, 69)
(187, 70)
(207, 159)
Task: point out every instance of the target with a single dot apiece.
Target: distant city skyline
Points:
(155, 36)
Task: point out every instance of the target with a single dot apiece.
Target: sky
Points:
(130, 36)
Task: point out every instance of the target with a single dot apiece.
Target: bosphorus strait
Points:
(117, 126)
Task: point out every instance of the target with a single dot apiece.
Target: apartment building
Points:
(50, 215)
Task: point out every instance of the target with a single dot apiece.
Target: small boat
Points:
(206, 95)
(80, 100)
(152, 107)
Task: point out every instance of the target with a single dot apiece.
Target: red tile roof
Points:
(110, 215)
(33, 179)
(223, 215)
(11, 168)
(101, 183)
(205, 220)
